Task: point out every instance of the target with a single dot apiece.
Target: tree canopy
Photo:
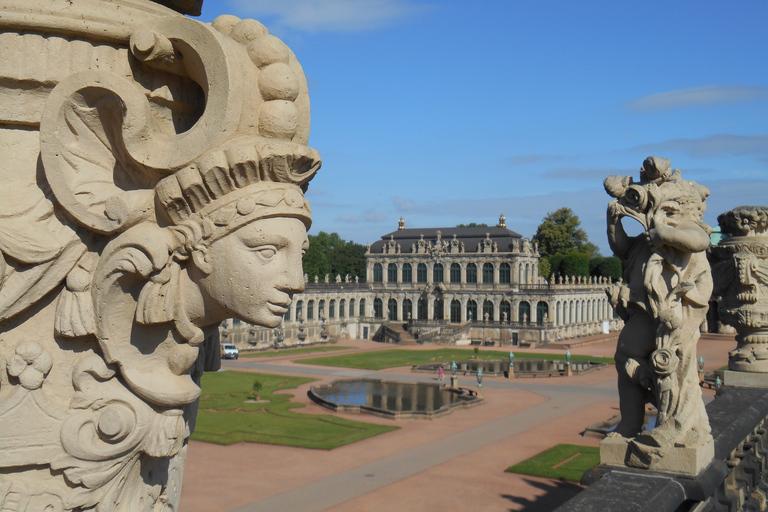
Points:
(560, 232)
(473, 225)
(329, 254)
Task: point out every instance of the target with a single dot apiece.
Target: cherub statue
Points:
(164, 194)
(663, 300)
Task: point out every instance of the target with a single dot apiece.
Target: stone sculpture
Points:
(740, 268)
(663, 301)
(153, 174)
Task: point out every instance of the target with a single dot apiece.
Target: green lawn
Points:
(226, 416)
(382, 359)
(296, 351)
(571, 461)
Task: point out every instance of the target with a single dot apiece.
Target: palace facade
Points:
(444, 286)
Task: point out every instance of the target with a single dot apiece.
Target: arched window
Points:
(520, 273)
(542, 310)
(351, 308)
(363, 312)
(578, 312)
(421, 273)
(504, 273)
(422, 308)
(392, 309)
(559, 318)
(527, 273)
(583, 311)
(332, 309)
(488, 273)
(437, 273)
(471, 310)
(455, 273)
(407, 273)
(321, 309)
(407, 309)
(378, 308)
(377, 273)
(488, 310)
(471, 273)
(300, 310)
(571, 316)
(311, 310)
(342, 308)
(287, 315)
(438, 310)
(391, 273)
(524, 313)
(455, 311)
(505, 311)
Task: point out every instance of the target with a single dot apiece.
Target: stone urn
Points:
(740, 272)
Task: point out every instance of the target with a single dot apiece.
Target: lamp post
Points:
(568, 371)
(454, 380)
(511, 372)
(480, 381)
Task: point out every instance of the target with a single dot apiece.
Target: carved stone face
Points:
(255, 270)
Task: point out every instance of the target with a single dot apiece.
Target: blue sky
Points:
(454, 111)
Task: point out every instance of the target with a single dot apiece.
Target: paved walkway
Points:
(453, 463)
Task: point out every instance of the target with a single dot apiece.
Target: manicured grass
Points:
(571, 461)
(382, 359)
(296, 351)
(226, 416)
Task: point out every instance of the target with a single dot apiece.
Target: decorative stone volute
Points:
(154, 170)
(740, 271)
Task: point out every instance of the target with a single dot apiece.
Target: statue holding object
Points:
(663, 300)
(154, 174)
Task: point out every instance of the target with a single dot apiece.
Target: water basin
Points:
(397, 400)
(500, 367)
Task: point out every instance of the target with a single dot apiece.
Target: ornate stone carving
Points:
(154, 174)
(663, 301)
(740, 269)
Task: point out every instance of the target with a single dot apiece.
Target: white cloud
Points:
(697, 97)
(406, 205)
(719, 144)
(331, 15)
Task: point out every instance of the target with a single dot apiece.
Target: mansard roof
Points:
(471, 237)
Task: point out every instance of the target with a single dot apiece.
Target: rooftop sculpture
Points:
(663, 300)
(153, 187)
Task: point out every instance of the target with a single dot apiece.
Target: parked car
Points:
(229, 351)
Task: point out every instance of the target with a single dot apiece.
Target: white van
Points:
(229, 351)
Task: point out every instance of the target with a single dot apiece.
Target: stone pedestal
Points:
(455, 382)
(745, 379)
(678, 460)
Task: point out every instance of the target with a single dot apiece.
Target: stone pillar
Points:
(740, 272)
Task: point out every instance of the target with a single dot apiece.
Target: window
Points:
(299, 310)
(392, 309)
(377, 277)
(363, 312)
(351, 307)
(391, 273)
(421, 273)
(437, 273)
(524, 313)
(455, 273)
(471, 310)
(438, 310)
(505, 311)
(422, 308)
(321, 309)
(407, 273)
(378, 308)
(504, 273)
(488, 273)
(332, 308)
(311, 310)
(407, 309)
(455, 311)
(542, 311)
(488, 310)
(342, 308)
(471, 273)
(287, 316)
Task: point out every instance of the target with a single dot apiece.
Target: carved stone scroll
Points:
(153, 178)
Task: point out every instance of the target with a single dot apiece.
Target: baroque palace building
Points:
(445, 286)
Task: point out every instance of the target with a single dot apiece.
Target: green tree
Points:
(560, 232)
(473, 225)
(610, 267)
(545, 269)
(574, 264)
(330, 254)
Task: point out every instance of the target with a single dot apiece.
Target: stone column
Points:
(740, 272)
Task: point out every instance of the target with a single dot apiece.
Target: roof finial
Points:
(401, 224)
(502, 221)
